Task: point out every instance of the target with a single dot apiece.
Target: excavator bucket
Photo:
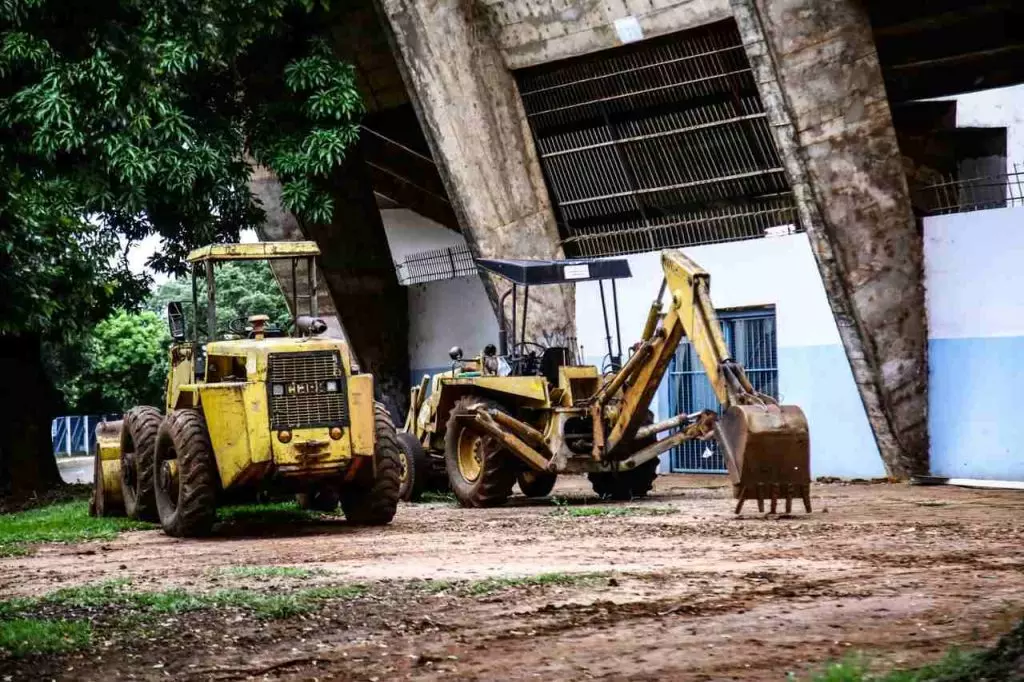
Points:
(768, 453)
(106, 493)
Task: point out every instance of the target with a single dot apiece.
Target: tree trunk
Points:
(27, 464)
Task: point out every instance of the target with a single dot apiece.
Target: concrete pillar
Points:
(819, 78)
(355, 265)
(467, 102)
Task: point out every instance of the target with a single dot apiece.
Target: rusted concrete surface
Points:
(822, 87)
(468, 105)
(530, 33)
(357, 275)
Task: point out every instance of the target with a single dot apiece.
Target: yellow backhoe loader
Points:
(524, 413)
(251, 408)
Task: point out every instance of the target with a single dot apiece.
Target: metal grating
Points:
(436, 265)
(664, 143)
(306, 401)
(959, 195)
(750, 335)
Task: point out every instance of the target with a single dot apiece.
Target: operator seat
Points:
(553, 358)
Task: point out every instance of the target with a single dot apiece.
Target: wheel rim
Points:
(167, 480)
(471, 455)
(527, 478)
(403, 466)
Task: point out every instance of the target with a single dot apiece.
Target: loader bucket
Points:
(768, 453)
(106, 480)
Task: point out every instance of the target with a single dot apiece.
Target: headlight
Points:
(332, 386)
(278, 390)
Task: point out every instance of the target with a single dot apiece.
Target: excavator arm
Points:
(765, 445)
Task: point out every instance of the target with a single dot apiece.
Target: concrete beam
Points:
(467, 102)
(819, 78)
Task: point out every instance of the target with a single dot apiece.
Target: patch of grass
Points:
(487, 586)
(957, 666)
(585, 511)
(25, 636)
(434, 496)
(119, 593)
(16, 549)
(63, 522)
(269, 572)
(272, 512)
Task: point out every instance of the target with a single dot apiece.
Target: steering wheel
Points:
(239, 326)
(524, 344)
(525, 360)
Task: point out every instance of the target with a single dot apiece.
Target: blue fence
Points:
(750, 335)
(76, 435)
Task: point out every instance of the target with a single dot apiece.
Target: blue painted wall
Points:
(975, 293)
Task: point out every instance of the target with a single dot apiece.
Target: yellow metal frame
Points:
(254, 251)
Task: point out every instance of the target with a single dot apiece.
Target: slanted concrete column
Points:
(356, 266)
(281, 226)
(819, 78)
(469, 107)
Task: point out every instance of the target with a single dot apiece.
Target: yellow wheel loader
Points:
(522, 413)
(248, 409)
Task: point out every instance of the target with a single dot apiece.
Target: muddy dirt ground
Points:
(677, 588)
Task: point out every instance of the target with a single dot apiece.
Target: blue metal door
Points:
(750, 335)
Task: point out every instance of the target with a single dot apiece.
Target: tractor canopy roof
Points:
(254, 251)
(530, 272)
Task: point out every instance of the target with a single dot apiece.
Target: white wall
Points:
(409, 232)
(442, 314)
(999, 107)
(813, 370)
(974, 282)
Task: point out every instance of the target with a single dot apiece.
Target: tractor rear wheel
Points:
(414, 466)
(186, 475)
(478, 467)
(138, 440)
(535, 484)
(375, 504)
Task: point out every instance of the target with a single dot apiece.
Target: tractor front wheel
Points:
(374, 503)
(625, 485)
(186, 475)
(138, 440)
(478, 467)
(535, 484)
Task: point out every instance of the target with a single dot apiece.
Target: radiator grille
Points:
(301, 381)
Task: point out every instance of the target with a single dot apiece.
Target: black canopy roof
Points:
(556, 271)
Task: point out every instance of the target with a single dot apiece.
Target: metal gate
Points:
(658, 144)
(750, 335)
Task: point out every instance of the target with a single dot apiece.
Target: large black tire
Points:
(489, 483)
(138, 440)
(186, 503)
(374, 503)
(535, 484)
(415, 467)
(627, 485)
(321, 499)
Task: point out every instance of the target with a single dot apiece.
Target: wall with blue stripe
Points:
(974, 273)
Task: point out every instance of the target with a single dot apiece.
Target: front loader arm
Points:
(689, 313)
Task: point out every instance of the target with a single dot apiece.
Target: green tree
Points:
(126, 364)
(121, 118)
(244, 288)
